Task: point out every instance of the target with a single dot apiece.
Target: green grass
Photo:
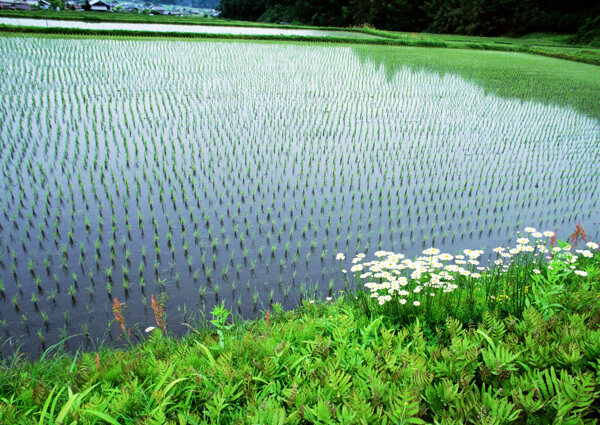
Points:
(534, 39)
(334, 362)
(341, 38)
(147, 19)
(552, 45)
(121, 17)
(524, 76)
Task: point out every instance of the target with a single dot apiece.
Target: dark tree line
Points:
(475, 17)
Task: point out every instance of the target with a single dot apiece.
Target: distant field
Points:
(175, 29)
(140, 18)
(208, 171)
(553, 45)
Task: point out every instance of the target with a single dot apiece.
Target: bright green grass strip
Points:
(587, 55)
(150, 19)
(535, 39)
(506, 74)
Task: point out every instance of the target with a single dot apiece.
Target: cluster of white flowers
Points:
(537, 246)
(394, 277)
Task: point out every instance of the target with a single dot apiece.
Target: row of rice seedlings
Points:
(251, 177)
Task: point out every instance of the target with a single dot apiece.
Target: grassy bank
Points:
(551, 45)
(140, 18)
(589, 56)
(11, 29)
(519, 343)
(527, 77)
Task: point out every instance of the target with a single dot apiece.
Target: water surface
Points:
(208, 171)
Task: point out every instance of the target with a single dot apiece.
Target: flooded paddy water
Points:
(235, 171)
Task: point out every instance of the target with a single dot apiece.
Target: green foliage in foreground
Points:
(331, 363)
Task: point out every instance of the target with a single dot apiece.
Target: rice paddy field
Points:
(202, 172)
(181, 28)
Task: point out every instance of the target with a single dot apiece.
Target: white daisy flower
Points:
(431, 251)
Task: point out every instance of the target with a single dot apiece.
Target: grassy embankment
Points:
(505, 74)
(558, 46)
(529, 354)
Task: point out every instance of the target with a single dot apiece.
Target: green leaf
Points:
(74, 400)
(63, 412)
(210, 357)
(164, 377)
(190, 420)
(104, 416)
(172, 384)
(487, 338)
(322, 411)
(46, 405)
